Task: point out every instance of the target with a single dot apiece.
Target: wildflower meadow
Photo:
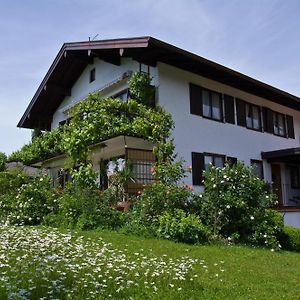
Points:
(47, 264)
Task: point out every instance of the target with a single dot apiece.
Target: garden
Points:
(73, 243)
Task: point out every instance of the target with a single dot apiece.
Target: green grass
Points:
(37, 263)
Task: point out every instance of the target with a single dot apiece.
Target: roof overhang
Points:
(73, 58)
(290, 155)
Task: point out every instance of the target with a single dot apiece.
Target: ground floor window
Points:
(216, 160)
(141, 172)
(60, 177)
(257, 166)
(295, 177)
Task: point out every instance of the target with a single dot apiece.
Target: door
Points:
(276, 178)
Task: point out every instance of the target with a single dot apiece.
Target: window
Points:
(65, 122)
(253, 119)
(92, 75)
(201, 162)
(295, 177)
(257, 166)
(141, 171)
(61, 177)
(212, 105)
(213, 159)
(279, 127)
(123, 95)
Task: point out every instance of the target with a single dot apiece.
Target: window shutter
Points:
(197, 167)
(195, 99)
(229, 109)
(241, 112)
(231, 160)
(268, 122)
(290, 127)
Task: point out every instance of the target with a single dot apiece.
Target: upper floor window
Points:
(212, 105)
(92, 75)
(253, 119)
(279, 127)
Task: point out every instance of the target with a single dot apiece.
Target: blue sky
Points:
(259, 38)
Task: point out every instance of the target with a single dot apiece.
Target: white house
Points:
(219, 114)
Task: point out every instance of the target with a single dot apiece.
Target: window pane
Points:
(256, 118)
(257, 169)
(207, 161)
(205, 103)
(281, 127)
(249, 116)
(141, 171)
(216, 106)
(219, 162)
(295, 180)
(275, 124)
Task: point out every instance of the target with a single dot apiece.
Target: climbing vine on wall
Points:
(97, 119)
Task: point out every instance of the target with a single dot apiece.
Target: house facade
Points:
(220, 115)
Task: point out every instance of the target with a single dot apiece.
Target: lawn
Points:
(41, 263)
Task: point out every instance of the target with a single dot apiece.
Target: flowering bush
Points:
(84, 209)
(30, 202)
(158, 198)
(11, 181)
(234, 206)
(180, 226)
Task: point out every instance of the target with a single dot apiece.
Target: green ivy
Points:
(140, 88)
(97, 119)
(47, 145)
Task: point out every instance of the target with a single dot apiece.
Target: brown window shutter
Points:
(197, 168)
(268, 122)
(229, 109)
(231, 160)
(290, 127)
(195, 99)
(241, 112)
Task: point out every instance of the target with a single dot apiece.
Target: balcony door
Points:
(276, 178)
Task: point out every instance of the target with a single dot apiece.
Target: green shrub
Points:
(3, 160)
(158, 198)
(267, 229)
(180, 226)
(85, 209)
(290, 239)
(234, 206)
(32, 201)
(11, 181)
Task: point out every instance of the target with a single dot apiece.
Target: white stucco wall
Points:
(291, 219)
(196, 134)
(106, 73)
(192, 133)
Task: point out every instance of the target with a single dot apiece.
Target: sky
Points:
(260, 38)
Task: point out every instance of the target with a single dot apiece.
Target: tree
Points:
(3, 159)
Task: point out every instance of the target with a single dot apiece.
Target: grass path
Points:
(40, 263)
